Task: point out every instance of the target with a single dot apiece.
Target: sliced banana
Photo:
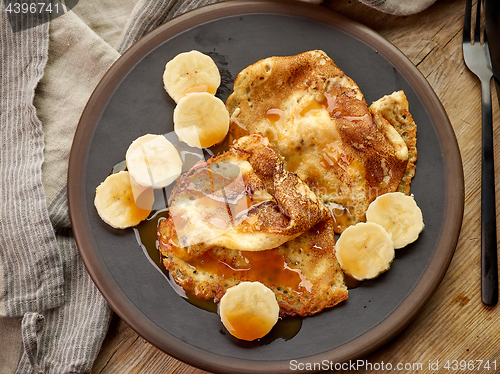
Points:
(364, 250)
(153, 161)
(201, 120)
(144, 197)
(399, 215)
(115, 203)
(249, 310)
(190, 72)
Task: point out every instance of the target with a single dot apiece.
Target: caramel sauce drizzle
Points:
(268, 267)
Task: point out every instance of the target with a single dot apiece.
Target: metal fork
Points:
(477, 59)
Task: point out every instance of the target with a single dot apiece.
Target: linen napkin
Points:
(45, 291)
(399, 7)
(52, 317)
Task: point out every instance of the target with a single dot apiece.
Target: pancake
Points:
(393, 111)
(318, 120)
(303, 273)
(244, 199)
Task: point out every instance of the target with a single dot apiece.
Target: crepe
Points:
(243, 199)
(393, 111)
(241, 217)
(318, 120)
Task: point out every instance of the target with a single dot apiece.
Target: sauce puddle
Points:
(146, 235)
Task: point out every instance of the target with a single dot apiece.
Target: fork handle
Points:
(489, 264)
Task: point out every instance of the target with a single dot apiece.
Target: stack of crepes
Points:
(307, 157)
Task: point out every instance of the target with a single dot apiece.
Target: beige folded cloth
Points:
(399, 7)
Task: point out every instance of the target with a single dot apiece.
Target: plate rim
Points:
(409, 308)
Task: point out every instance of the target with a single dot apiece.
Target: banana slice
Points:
(249, 310)
(144, 197)
(190, 72)
(399, 215)
(153, 161)
(201, 120)
(364, 250)
(115, 203)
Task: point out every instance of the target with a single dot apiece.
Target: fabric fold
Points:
(147, 15)
(31, 274)
(66, 339)
(32, 327)
(399, 7)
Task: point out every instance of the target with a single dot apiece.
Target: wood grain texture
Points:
(454, 324)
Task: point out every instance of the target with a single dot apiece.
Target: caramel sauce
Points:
(246, 327)
(236, 131)
(334, 153)
(135, 213)
(312, 106)
(146, 234)
(341, 217)
(241, 206)
(331, 104)
(275, 116)
(351, 282)
(268, 267)
(201, 88)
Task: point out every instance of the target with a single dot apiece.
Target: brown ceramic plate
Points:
(130, 101)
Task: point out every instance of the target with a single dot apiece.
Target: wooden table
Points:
(454, 324)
